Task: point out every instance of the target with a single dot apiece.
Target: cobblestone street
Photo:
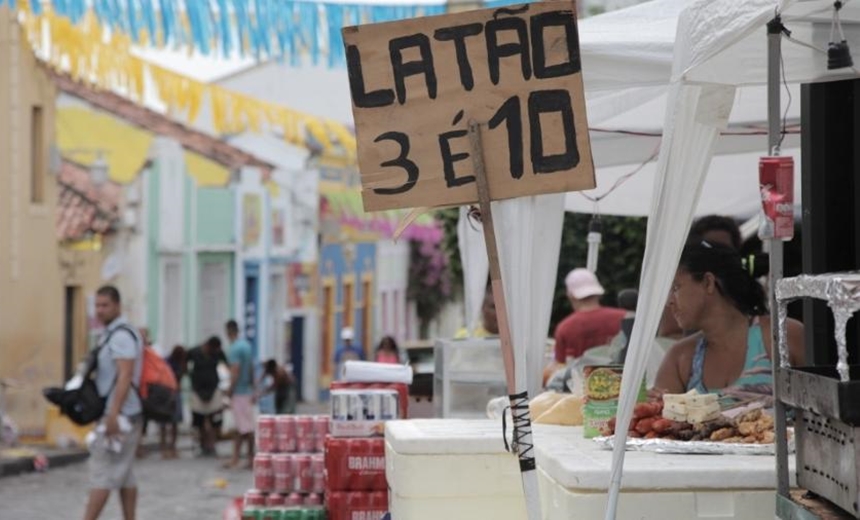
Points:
(183, 489)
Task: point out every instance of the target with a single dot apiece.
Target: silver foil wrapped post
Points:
(841, 291)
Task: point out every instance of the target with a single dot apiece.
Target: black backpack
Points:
(84, 405)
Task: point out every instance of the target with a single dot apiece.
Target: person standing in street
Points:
(241, 393)
(275, 385)
(348, 351)
(178, 361)
(118, 372)
(387, 351)
(207, 400)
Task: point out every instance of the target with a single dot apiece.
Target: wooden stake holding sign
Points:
(519, 401)
(493, 254)
(431, 93)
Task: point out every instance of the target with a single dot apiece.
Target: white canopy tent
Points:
(720, 45)
(625, 151)
(627, 62)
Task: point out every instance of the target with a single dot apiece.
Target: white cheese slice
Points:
(674, 416)
(677, 408)
(703, 413)
(669, 399)
(701, 400)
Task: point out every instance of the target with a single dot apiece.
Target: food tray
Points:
(694, 447)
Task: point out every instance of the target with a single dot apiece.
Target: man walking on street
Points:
(241, 393)
(119, 366)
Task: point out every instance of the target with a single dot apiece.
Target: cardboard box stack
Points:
(289, 469)
(356, 488)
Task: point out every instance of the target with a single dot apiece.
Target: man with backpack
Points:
(117, 376)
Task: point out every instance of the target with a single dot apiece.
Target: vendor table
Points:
(458, 469)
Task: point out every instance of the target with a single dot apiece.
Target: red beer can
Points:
(266, 434)
(275, 500)
(314, 499)
(304, 475)
(318, 473)
(264, 476)
(285, 476)
(285, 433)
(305, 434)
(254, 498)
(321, 428)
(294, 500)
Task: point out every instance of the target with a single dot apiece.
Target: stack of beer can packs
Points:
(356, 488)
(289, 469)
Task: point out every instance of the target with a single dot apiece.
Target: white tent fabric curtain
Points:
(476, 267)
(528, 231)
(694, 122)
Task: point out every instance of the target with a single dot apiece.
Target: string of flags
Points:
(92, 40)
(104, 60)
(297, 31)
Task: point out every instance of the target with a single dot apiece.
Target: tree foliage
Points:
(429, 280)
(619, 263)
(449, 217)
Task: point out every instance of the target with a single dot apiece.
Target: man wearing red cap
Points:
(590, 325)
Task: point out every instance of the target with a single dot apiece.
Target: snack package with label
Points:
(602, 389)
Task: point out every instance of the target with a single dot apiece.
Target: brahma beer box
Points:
(362, 413)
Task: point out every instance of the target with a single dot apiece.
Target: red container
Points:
(347, 505)
(355, 464)
(318, 472)
(401, 388)
(305, 434)
(304, 475)
(254, 498)
(776, 185)
(294, 500)
(313, 499)
(264, 476)
(321, 427)
(285, 433)
(285, 475)
(266, 434)
(275, 500)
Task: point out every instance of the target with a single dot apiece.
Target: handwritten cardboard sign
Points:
(417, 83)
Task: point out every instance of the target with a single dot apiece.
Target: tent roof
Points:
(626, 112)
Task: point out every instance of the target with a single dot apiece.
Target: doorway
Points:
(297, 353)
(366, 316)
(328, 329)
(214, 300)
(74, 330)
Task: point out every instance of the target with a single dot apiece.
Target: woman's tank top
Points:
(756, 379)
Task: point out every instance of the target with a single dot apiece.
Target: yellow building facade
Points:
(31, 290)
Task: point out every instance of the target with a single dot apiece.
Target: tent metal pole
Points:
(774, 42)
